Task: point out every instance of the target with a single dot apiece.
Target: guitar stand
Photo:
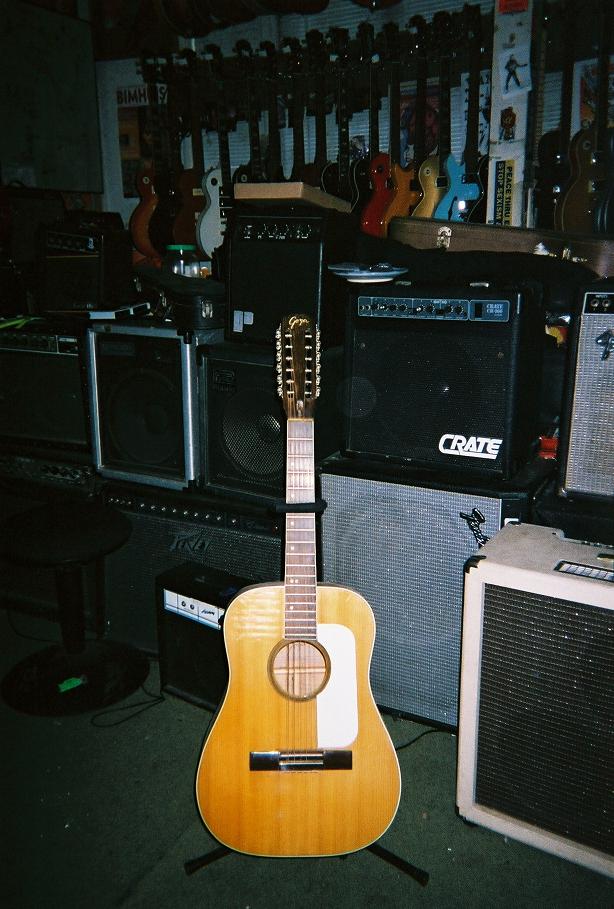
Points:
(422, 877)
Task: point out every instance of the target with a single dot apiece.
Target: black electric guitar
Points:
(253, 170)
(170, 166)
(553, 170)
(360, 170)
(316, 103)
(577, 211)
(296, 81)
(272, 165)
(336, 175)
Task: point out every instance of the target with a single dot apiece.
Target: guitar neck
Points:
(472, 140)
(445, 144)
(300, 556)
(253, 125)
(298, 130)
(394, 107)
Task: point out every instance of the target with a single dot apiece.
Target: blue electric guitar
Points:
(465, 188)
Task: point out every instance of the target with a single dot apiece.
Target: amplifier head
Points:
(445, 378)
(587, 433)
(536, 735)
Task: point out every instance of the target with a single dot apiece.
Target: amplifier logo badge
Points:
(473, 447)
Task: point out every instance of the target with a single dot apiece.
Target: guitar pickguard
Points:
(337, 704)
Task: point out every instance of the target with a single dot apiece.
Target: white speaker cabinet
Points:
(536, 717)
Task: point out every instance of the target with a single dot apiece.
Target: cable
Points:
(421, 736)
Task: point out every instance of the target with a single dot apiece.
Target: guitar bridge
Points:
(300, 760)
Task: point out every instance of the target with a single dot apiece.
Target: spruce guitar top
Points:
(298, 761)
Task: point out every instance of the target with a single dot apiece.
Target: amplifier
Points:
(243, 423)
(169, 528)
(401, 539)
(587, 434)
(143, 382)
(536, 736)
(444, 378)
(85, 269)
(43, 397)
(278, 260)
(191, 604)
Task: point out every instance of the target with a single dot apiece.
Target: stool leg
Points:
(70, 588)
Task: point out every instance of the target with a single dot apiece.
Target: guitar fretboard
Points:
(300, 556)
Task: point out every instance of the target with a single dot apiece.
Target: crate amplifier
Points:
(85, 269)
(278, 264)
(401, 541)
(444, 377)
(536, 735)
(144, 402)
(587, 436)
(170, 528)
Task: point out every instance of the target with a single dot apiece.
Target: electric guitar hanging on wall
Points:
(298, 761)
(464, 187)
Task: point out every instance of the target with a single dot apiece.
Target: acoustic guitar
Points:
(298, 761)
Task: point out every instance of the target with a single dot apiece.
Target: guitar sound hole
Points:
(299, 669)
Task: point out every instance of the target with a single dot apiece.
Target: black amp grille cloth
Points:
(404, 549)
(413, 383)
(546, 716)
(159, 543)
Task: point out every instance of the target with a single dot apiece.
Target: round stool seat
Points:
(64, 533)
(77, 675)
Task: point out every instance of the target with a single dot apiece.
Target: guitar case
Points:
(448, 252)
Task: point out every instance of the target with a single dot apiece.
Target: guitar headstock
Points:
(298, 365)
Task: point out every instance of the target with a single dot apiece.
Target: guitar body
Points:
(210, 226)
(552, 178)
(604, 209)
(576, 211)
(141, 216)
(164, 214)
(372, 216)
(336, 182)
(404, 197)
(460, 197)
(190, 192)
(434, 187)
(298, 812)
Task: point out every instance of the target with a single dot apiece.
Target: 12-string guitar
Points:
(298, 761)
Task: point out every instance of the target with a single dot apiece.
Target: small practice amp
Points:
(278, 265)
(401, 539)
(85, 269)
(43, 397)
(192, 600)
(444, 377)
(536, 730)
(587, 435)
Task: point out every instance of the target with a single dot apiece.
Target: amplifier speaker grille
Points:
(536, 726)
(553, 655)
(589, 465)
(403, 547)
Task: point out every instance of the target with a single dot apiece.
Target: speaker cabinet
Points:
(192, 602)
(169, 528)
(444, 377)
(144, 402)
(243, 423)
(278, 265)
(587, 437)
(536, 730)
(401, 540)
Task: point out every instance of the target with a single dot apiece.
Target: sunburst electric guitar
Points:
(298, 761)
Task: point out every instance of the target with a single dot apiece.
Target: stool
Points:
(77, 675)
